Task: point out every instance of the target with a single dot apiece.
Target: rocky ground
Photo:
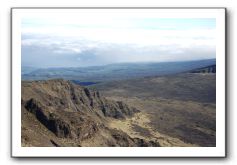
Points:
(168, 111)
(60, 113)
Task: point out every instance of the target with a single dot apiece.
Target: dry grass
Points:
(179, 106)
(143, 120)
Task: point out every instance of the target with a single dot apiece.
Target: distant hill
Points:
(27, 69)
(208, 69)
(116, 71)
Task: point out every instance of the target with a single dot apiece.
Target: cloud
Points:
(109, 40)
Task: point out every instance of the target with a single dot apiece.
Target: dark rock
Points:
(54, 143)
(123, 140)
(50, 120)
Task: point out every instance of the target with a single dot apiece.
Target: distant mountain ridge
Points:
(116, 71)
(208, 69)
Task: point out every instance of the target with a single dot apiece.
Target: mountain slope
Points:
(181, 106)
(185, 87)
(208, 69)
(60, 113)
(66, 96)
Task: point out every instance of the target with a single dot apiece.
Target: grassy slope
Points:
(181, 106)
(194, 87)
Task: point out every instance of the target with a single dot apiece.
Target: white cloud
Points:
(78, 40)
(118, 40)
(130, 36)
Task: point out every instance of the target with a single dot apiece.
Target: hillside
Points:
(208, 69)
(60, 113)
(168, 110)
(181, 106)
(185, 87)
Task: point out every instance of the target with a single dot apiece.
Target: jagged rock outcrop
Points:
(63, 124)
(49, 119)
(124, 140)
(60, 113)
(66, 96)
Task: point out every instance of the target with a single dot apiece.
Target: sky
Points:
(100, 38)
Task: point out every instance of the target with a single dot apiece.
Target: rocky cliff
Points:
(60, 113)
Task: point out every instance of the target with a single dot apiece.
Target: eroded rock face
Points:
(66, 96)
(63, 124)
(73, 112)
(117, 109)
(52, 121)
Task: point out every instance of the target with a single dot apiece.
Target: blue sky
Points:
(144, 23)
(105, 38)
